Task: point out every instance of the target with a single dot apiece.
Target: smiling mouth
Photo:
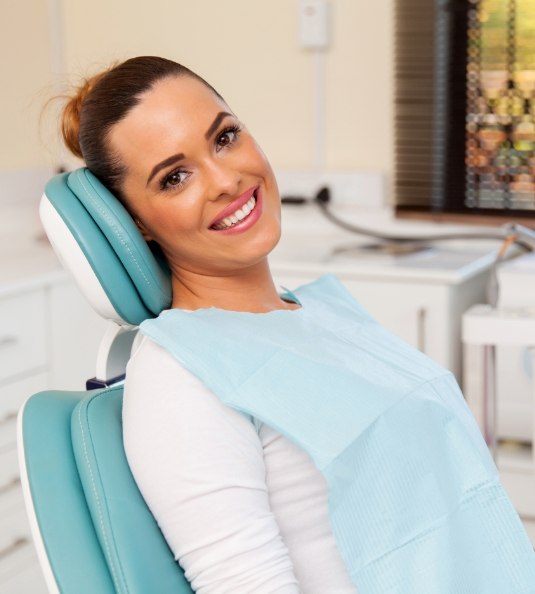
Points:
(237, 216)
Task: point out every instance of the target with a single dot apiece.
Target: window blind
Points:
(465, 107)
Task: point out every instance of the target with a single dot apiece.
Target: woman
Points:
(284, 443)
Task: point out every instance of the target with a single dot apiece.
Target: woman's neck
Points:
(249, 290)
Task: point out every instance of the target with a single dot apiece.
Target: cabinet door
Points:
(75, 334)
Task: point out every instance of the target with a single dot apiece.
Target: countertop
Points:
(311, 242)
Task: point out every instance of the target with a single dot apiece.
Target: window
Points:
(465, 107)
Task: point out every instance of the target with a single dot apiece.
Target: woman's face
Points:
(196, 180)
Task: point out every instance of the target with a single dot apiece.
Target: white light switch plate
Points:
(313, 24)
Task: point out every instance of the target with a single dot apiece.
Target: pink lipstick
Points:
(240, 214)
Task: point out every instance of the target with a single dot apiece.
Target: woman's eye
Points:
(227, 136)
(174, 180)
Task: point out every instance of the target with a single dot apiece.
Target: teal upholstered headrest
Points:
(134, 279)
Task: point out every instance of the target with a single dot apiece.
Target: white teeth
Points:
(239, 215)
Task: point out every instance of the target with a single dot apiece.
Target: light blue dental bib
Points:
(414, 497)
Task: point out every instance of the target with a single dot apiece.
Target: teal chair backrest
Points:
(97, 532)
(93, 531)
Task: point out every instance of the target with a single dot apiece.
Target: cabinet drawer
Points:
(14, 525)
(12, 397)
(8, 429)
(14, 557)
(9, 469)
(19, 569)
(28, 578)
(22, 333)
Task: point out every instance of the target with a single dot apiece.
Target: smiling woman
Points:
(191, 168)
(189, 172)
(284, 443)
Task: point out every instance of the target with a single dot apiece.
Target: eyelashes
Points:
(226, 138)
(173, 180)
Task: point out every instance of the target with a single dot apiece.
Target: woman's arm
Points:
(200, 468)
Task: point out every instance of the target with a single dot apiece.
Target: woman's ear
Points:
(143, 230)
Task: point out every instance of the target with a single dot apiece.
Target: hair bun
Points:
(71, 113)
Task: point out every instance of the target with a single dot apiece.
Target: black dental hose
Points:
(322, 199)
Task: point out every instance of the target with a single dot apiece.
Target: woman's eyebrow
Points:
(165, 163)
(174, 158)
(219, 117)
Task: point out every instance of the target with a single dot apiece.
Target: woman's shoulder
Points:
(153, 374)
(150, 362)
(156, 381)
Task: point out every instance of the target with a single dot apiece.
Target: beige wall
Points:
(246, 48)
(25, 72)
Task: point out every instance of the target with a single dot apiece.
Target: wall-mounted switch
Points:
(314, 24)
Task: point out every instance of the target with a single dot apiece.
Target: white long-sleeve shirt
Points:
(243, 509)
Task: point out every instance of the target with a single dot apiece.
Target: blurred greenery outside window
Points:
(465, 106)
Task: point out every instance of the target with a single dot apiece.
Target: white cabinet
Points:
(485, 331)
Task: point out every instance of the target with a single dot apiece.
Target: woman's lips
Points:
(249, 205)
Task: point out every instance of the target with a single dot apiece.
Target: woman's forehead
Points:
(182, 96)
(178, 106)
(172, 117)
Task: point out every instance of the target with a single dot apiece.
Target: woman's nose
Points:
(224, 179)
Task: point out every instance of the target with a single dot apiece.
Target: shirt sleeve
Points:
(199, 465)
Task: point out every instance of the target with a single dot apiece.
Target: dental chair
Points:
(92, 530)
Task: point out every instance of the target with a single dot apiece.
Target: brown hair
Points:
(104, 100)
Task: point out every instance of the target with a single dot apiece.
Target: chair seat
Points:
(98, 534)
